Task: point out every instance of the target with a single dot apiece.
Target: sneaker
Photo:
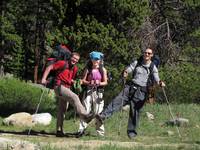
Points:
(59, 134)
(80, 134)
(132, 135)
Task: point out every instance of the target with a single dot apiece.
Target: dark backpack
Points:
(61, 52)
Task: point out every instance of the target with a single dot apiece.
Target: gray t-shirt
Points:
(142, 73)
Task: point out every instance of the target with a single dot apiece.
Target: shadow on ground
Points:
(38, 133)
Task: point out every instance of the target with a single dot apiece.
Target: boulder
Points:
(42, 118)
(19, 119)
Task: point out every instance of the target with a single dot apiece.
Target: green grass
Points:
(151, 134)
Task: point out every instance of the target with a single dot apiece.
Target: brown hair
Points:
(75, 53)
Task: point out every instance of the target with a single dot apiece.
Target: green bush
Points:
(17, 96)
(182, 82)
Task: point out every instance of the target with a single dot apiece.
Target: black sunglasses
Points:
(147, 53)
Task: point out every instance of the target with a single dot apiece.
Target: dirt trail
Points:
(13, 141)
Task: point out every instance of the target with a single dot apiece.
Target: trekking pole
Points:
(36, 111)
(120, 122)
(170, 110)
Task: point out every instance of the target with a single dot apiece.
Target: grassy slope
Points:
(151, 133)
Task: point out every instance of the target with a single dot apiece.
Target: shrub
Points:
(17, 96)
(182, 82)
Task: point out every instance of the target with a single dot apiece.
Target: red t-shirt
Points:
(64, 77)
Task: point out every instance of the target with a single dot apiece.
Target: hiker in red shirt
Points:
(66, 73)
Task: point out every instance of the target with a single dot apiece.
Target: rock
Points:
(19, 119)
(126, 108)
(178, 122)
(170, 133)
(42, 118)
(150, 116)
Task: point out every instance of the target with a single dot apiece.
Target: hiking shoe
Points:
(59, 134)
(88, 117)
(80, 134)
(132, 135)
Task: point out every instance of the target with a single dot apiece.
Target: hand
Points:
(72, 81)
(97, 82)
(162, 84)
(92, 83)
(44, 81)
(125, 74)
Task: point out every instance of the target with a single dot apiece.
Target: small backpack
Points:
(61, 52)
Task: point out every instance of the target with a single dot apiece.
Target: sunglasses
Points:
(147, 53)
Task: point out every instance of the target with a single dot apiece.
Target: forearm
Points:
(104, 83)
(46, 73)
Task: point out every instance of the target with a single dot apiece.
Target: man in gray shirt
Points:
(136, 93)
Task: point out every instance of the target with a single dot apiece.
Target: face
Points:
(74, 59)
(147, 54)
(95, 62)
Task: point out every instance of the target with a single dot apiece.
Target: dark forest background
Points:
(120, 29)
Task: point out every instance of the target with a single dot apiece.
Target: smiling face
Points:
(147, 54)
(74, 59)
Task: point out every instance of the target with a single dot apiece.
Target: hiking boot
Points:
(100, 118)
(60, 134)
(88, 117)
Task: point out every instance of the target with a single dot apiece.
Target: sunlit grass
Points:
(149, 132)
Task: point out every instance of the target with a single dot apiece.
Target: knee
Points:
(75, 97)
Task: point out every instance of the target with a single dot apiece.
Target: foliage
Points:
(17, 96)
(11, 46)
(118, 28)
(182, 82)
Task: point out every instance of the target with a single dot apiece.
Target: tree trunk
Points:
(37, 52)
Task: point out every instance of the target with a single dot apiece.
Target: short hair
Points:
(150, 49)
(75, 53)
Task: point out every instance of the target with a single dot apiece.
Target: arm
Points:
(156, 77)
(129, 69)
(46, 73)
(84, 79)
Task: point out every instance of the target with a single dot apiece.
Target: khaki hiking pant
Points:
(66, 96)
(93, 102)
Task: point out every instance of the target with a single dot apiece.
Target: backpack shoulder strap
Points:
(151, 67)
(139, 63)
